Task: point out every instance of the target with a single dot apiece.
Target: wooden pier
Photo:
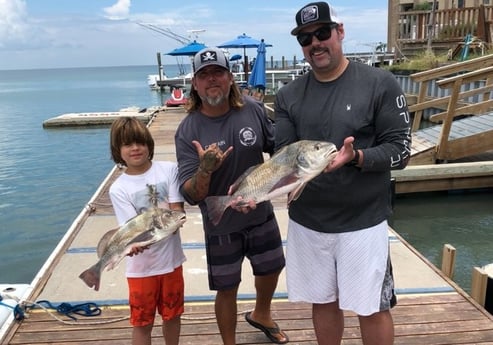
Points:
(431, 308)
(430, 319)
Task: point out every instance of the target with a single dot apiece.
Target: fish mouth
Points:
(332, 154)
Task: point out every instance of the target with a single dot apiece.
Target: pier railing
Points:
(470, 86)
(444, 28)
(457, 101)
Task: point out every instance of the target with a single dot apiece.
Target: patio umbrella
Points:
(188, 50)
(235, 57)
(257, 77)
(243, 41)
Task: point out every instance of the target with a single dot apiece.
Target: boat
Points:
(10, 310)
(177, 98)
(160, 82)
(275, 78)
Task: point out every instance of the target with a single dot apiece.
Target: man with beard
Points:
(223, 135)
(338, 251)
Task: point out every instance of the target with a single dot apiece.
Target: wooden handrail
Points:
(449, 24)
(479, 67)
(443, 71)
(466, 77)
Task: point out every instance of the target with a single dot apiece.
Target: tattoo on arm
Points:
(197, 186)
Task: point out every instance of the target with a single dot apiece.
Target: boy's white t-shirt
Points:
(129, 195)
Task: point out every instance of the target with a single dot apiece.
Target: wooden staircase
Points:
(452, 138)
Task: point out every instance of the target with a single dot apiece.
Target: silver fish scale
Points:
(285, 173)
(298, 159)
(264, 178)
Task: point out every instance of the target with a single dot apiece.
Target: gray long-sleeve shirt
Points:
(366, 103)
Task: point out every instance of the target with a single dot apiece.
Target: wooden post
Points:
(448, 260)
(478, 285)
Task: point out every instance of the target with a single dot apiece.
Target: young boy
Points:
(154, 275)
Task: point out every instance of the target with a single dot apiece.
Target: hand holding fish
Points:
(145, 229)
(241, 205)
(286, 172)
(344, 156)
(211, 158)
(137, 250)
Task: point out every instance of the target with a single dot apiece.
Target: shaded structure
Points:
(243, 41)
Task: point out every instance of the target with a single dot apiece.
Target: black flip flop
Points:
(268, 331)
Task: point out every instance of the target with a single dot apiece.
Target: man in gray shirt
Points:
(223, 135)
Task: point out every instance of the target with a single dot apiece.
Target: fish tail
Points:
(216, 205)
(92, 277)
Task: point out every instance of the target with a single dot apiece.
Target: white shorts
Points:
(351, 267)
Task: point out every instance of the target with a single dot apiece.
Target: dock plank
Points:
(430, 319)
(431, 309)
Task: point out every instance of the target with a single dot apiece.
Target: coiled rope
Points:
(18, 311)
(88, 309)
(84, 309)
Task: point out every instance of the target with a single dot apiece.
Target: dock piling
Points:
(448, 260)
(479, 284)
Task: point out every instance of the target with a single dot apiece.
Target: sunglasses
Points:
(322, 34)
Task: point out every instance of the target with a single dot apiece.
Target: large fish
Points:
(287, 171)
(149, 227)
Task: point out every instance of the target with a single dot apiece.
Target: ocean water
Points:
(47, 176)
(463, 219)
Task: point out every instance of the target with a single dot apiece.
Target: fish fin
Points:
(92, 277)
(234, 187)
(284, 181)
(216, 205)
(144, 237)
(103, 242)
(296, 193)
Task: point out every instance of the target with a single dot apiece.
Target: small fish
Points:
(151, 226)
(287, 171)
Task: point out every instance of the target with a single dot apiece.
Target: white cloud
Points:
(13, 27)
(120, 10)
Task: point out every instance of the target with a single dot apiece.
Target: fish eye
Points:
(317, 146)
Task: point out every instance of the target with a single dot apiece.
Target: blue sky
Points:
(87, 33)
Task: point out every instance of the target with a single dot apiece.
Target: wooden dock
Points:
(431, 308)
(99, 118)
(430, 319)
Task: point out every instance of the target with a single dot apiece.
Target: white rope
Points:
(26, 304)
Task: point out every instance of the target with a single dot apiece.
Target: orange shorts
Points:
(163, 292)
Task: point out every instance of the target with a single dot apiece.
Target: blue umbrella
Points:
(257, 77)
(235, 57)
(189, 50)
(243, 41)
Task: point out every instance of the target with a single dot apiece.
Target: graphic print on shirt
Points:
(247, 136)
(152, 195)
(401, 104)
